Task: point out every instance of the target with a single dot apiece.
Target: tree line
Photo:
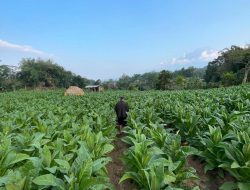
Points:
(231, 67)
(189, 78)
(38, 73)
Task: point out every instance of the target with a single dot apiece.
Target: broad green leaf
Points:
(4, 180)
(49, 180)
(130, 175)
(107, 148)
(100, 163)
(168, 179)
(235, 165)
(16, 186)
(244, 186)
(63, 163)
(18, 158)
(52, 169)
(228, 186)
(46, 154)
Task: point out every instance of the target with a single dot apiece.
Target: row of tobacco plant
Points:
(214, 125)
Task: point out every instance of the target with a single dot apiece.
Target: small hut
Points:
(74, 90)
(94, 88)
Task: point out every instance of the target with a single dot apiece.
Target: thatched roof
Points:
(74, 90)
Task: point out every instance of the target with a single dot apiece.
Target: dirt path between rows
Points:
(116, 168)
(209, 180)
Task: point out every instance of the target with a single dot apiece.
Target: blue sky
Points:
(104, 39)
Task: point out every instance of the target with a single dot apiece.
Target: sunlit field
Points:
(52, 141)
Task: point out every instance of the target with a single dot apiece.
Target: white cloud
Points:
(196, 56)
(209, 55)
(245, 46)
(22, 48)
(162, 62)
(181, 60)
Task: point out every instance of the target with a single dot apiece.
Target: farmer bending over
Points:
(121, 110)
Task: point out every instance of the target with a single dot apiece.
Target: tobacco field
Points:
(52, 142)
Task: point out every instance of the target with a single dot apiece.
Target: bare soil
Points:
(210, 180)
(116, 168)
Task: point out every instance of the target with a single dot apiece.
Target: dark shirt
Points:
(121, 109)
